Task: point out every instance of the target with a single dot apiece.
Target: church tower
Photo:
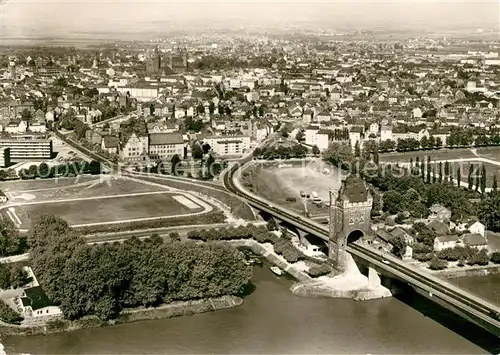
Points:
(350, 217)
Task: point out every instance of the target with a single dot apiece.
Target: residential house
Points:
(474, 240)
(476, 228)
(110, 144)
(16, 127)
(446, 241)
(36, 304)
(440, 228)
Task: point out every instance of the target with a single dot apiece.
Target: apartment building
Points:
(229, 144)
(27, 147)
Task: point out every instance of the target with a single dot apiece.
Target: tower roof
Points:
(354, 189)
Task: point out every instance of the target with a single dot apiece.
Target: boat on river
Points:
(276, 270)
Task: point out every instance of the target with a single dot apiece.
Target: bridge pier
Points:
(373, 278)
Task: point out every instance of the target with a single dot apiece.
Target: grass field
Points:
(492, 153)
(80, 190)
(279, 184)
(103, 210)
(238, 208)
(443, 154)
(24, 185)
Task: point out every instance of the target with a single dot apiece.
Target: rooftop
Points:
(36, 298)
(354, 190)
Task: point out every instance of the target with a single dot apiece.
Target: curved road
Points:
(463, 303)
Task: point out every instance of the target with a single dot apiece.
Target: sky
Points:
(20, 18)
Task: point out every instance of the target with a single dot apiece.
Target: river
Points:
(272, 320)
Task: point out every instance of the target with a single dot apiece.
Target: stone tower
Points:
(349, 217)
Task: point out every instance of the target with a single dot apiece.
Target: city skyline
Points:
(114, 17)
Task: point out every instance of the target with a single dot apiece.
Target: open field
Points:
(492, 153)
(238, 208)
(25, 185)
(279, 184)
(105, 210)
(442, 154)
(92, 188)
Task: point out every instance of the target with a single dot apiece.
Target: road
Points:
(477, 310)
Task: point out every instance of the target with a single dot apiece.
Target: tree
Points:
(210, 165)
(459, 176)
(206, 148)
(393, 202)
(44, 171)
(398, 246)
(422, 170)
(261, 111)
(470, 178)
(428, 170)
(175, 163)
(489, 212)
(357, 150)
(300, 136)
(494, 185)
(272, 225)
(376, 157)
(434, 174)
(315, 150)
(483, 179)
(197, 151)
(478, 179)
(438, 264)
(9, 237)
(284, 132)
(440, 177)
(446, 171)
(26, 114)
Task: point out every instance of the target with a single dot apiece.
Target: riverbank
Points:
(465, 271)
(171, 310)
(350, 284)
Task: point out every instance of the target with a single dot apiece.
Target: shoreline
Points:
(165, 311)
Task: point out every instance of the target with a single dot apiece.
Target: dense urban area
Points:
(114, 159)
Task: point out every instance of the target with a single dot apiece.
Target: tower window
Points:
(351, 221)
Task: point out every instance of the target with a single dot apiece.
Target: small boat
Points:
(276, 270)
(257, 261)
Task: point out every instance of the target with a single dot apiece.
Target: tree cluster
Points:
(43, 171)
(10, 241)
(281, 152)
(319, 270)
(103, 279)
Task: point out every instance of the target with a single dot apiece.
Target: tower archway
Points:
(354, 236)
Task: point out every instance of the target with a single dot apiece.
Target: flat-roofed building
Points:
(165, 145)
(27, 147)
(229, 144)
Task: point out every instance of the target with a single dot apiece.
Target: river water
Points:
(272, 320)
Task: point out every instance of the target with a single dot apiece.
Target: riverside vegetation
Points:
(103, 279)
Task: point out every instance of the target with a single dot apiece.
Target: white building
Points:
(223, 145)
(135, 148)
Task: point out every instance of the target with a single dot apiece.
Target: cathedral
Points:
(167, 64)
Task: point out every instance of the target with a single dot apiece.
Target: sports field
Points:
(79, 189)
(112, 209)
